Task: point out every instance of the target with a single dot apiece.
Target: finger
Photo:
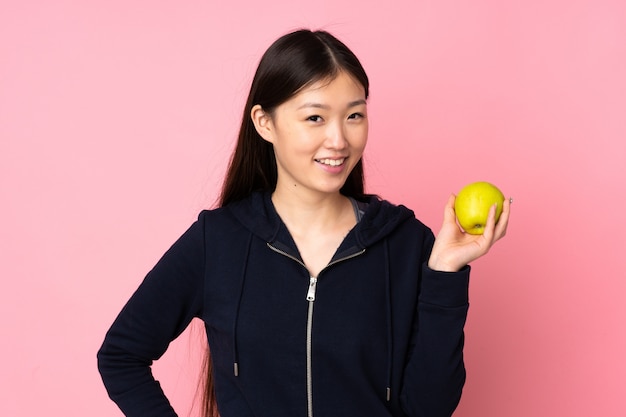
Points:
(503, 222)
(490, 226)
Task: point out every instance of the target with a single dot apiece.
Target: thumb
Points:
(449, 215)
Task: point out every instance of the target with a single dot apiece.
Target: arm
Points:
(435, 373)
(161, 308)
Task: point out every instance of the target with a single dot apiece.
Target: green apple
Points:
(472, 206)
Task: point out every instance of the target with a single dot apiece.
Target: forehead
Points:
(341, 88)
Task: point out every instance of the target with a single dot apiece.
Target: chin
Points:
(331, 189)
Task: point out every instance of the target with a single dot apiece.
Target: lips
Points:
(331, 162)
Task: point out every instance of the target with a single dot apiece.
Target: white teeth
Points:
(332, 162)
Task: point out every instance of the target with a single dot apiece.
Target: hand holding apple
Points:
(454, 248)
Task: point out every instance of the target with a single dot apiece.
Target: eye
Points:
(356, 116)
(314, 118)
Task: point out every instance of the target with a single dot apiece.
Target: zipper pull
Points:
(310, 295)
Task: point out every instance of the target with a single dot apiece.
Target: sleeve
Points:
(162, 307)
(435, 373)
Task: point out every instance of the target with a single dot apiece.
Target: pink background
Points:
(117, 119)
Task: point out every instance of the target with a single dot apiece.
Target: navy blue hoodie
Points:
(376, 333)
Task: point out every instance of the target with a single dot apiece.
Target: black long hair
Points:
(291, 63)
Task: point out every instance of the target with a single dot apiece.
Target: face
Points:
(318, 135)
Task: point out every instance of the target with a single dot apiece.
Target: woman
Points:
(318, 300)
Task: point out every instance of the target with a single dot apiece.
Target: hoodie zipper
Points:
(310, 297)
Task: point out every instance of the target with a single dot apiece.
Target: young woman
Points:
(318, 300)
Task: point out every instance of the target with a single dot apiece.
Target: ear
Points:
(262, 123)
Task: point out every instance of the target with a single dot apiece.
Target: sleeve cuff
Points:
(446, 289)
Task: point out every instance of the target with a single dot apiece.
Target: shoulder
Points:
(383, 219)
(254, 214)
(218, 220)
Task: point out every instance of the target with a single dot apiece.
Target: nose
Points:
(336, 137)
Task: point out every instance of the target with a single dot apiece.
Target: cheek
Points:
(360, 138)
(293, 142)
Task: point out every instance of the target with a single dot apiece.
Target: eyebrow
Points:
(324, 106)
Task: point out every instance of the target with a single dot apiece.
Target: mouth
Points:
(331, 162)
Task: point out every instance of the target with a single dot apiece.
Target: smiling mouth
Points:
(331, 162)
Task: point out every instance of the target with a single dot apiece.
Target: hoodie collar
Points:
(257, 214)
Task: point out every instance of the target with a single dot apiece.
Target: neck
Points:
(306, 211)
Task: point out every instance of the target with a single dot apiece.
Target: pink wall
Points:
(117, 119)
